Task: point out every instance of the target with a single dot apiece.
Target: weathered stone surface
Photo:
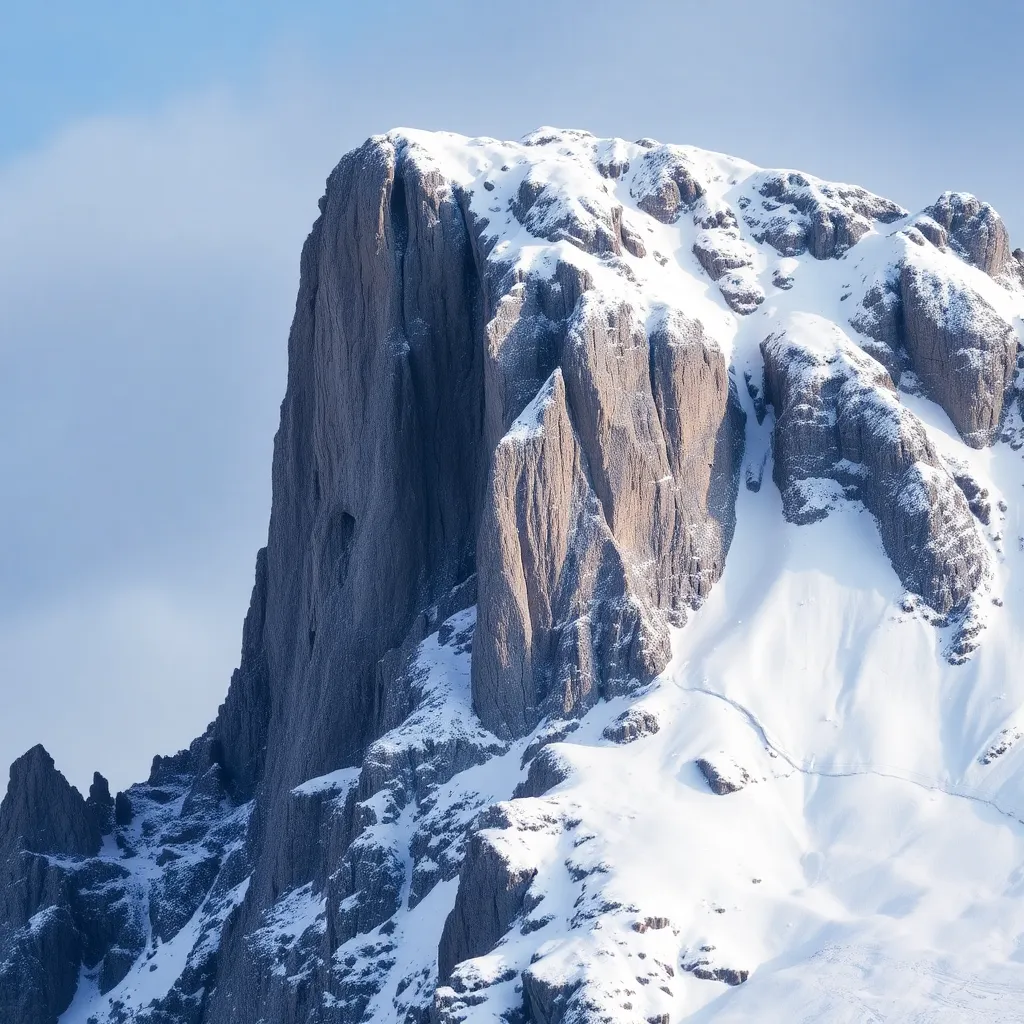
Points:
(632, 725)
(547, 1000)
(838, 419)
(962, 350)
(548, 769)
(665, 183)
(974, 229)
(556, 621)
(879, 318)
(795, 213)
(100, 804)
(492, 889)
(729, 261)
(722, 779)
(43, 813)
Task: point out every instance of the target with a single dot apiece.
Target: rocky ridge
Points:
(507, 474)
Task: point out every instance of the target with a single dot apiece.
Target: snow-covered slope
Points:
(705, 504)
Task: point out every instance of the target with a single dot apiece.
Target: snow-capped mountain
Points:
(637, 636)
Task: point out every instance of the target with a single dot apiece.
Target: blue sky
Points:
(159, 168)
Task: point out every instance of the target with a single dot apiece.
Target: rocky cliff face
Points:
(506, 475)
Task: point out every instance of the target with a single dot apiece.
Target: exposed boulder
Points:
(631, 725)
(729, 261)
(548, 769)
(722, 775)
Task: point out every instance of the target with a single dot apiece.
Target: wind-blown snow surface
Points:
(869, 864)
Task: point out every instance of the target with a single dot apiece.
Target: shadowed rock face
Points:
(43, 813)
(58, 908)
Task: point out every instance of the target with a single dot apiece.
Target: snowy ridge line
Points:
(846, 771)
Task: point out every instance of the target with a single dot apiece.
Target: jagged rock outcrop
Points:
(974, 229)
(558, 620)
(840, 431)
(632, 725)
(492, 891)
(728, 260)
(58, 909)
(795, 213)
(43, 813)
(723, 777)
(666, 182)
(959, 346)
(507, 465)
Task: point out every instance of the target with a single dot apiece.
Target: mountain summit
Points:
(637, 635)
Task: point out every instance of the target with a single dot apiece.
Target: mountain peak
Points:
(634, 638)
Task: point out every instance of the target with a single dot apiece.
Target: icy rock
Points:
(702, 968)
(547, 998)
(548, 769)
(729, 261)
(879, 317)
(590, 222)
(665, 184)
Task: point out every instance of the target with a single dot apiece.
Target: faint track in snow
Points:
(806, 767)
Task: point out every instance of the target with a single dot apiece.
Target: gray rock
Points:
(795, 214)
(631, 725)
(665, 184)
(490, 897)
(546, 1000)
(547, 770)
(838, 418)
(722, 781)
(43, 813)
(729, 261)
(961, 349)
(100, 804)
(974, 229)
(879, 317)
